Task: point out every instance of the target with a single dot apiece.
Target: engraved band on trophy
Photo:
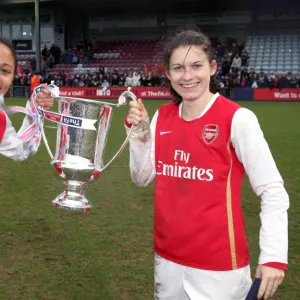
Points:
(82, 129)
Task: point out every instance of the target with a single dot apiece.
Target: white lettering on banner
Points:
(61, 93)
(282, 95)
(278, 95)
(103, 92)
(21, 45)
(158, 94)
(78, 93)
(186, 172)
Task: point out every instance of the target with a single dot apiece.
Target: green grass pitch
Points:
(107, 254)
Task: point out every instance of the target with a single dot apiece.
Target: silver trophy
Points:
(81, 139)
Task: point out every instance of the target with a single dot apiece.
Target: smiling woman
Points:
(198, 148)
(10, 143)
(197, 55)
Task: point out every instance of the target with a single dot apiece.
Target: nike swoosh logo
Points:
(165, 132)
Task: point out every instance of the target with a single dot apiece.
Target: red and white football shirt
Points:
(201, 162)
(198, 217)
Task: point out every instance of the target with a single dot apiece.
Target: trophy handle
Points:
(46, 142)
(54, 90)
(122, 100)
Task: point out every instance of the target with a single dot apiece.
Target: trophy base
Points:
(72, 201)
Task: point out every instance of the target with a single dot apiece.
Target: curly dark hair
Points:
(189, 36)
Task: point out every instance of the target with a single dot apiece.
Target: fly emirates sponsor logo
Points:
(179, 170)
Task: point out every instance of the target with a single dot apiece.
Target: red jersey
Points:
(198, 216)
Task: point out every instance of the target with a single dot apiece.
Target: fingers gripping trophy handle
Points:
(121, 101)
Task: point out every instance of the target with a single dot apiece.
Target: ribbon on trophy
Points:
(32, 132)
(66, 120)
(61, 118)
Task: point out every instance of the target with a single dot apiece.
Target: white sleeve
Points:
(12, 146)
(253, 152)
(142, 152)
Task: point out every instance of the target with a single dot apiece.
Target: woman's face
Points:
(7, 69)
(189, 72)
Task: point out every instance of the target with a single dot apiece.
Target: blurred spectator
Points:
(136, 79)
(115, 80)
(254, 81)
(33, 64)
(263, 81)
(75, 59)
(149, 80)
(35, 81)
(293, 82)
(226, 65)
(105, 84)
(45, 52)
(81, 56)
(89, 55)
(143, 79)
(244, 58)
(276, 82)
(129, 80)
(236, 64)
(81, 82)
(17, 80)
(69, 56)
(56, 53)
(283, 82)
(50, 61)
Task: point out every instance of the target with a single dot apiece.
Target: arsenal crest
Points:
(210, 133)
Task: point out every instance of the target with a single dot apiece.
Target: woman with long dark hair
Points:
(198, 148)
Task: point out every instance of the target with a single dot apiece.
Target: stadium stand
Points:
(264, 60)
(274, 54)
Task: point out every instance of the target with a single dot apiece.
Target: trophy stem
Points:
(73, 197)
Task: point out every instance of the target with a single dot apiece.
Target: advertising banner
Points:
(22, 44)
(243, 94)
(113, 93)
(277, 94)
